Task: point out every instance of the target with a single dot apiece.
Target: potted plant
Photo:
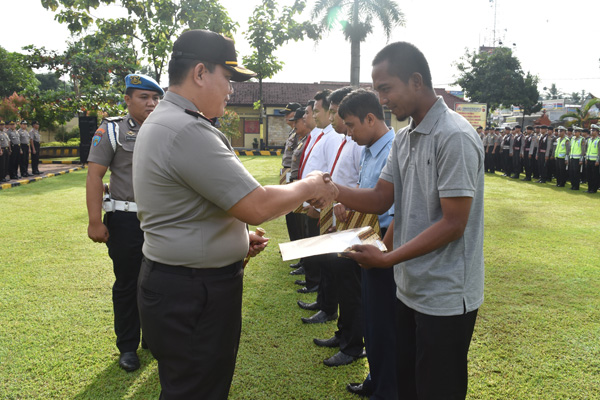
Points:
(255, 143)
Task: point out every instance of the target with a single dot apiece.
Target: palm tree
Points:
(356, 30)
(582, 115)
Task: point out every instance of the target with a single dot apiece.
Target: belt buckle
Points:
(126, 206)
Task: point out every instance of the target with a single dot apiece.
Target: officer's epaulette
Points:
(114, 119)
(199, 115)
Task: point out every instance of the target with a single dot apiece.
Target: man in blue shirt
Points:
(363, 115)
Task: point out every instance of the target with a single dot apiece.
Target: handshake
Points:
(324, 190)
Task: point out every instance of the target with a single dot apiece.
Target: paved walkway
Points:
(48, 169)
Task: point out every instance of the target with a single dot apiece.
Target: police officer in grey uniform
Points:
(195, 199)
(112, 147)
(15, 151)
(24, 143)
(34, 145)
(4, 153)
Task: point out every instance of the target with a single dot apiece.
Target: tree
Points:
(553, 93)
(529, 101)
(582, 116)
(267, 32)
(356, 20)
(497, 78)
(15, 74)
(153, 22)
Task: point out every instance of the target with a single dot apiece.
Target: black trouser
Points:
(192, 320)
(295, 225)
(432, 354)
(561, 172)
(527, 164)
(507, 162)
(15, 155)
(24, 159)
(4, 162)
(593, 175)
(498, 159)
(574, 173)
(35, 157)
(541, 162)
(379, 319)
(516, 164)
(551, 169)
(312, 267)
(534, 165)
(124, 244)
(490, 164)
(341, 284)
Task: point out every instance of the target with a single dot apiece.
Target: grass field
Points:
(537, 334)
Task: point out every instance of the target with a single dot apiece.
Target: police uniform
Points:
(5, 150)
(24, 144)
(15, 152)
(526, 153)
(561, 155)
(35, 138)
(591, 160)
(113, 146)
(516, 143)
(190, 286)
(576, 157)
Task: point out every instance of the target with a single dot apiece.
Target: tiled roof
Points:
(278, 94)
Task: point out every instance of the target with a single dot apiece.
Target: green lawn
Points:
(537, 335)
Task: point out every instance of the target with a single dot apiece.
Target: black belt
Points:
(187, 271)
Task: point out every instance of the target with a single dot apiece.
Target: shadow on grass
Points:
(114, 383)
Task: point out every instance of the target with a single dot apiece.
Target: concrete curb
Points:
(27, 181)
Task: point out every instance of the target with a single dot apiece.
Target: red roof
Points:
(278, 94)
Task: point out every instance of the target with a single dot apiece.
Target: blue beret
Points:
(142, 82)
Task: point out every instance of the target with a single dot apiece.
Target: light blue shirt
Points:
(372, 162)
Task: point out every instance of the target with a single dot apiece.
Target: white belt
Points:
(118, 205)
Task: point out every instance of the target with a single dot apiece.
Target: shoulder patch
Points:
(97, 138)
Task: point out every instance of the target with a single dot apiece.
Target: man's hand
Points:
(312, 213)
(98, 232)
(367, 256)
(257, 244)
(340, 212)
(325, 189)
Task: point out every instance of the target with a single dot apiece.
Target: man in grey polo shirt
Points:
(194, 200)
(434, 178)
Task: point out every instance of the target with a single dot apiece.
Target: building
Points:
(275, 96)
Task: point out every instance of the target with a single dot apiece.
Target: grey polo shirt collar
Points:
(431, 118)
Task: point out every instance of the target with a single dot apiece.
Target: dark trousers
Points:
(490, 164)
(13, 168)
(561, 172)
(507, 162)
(574, 172)
(192, 320)
(498, 159)
(432, 354)
(125, 249)
(516, 164)
(379, 315)
(534, 165)
(541, 162)
(593, 176)
(551, 169)
(35, 158)
(527, 165)
(312, 267)
(295, 225)
(24, 159)
(4, 162)
(341, 284)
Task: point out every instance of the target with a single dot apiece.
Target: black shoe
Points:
(298, 271)
(129, 361)
(300, 282)
(359, 389)
(308, 290)
(331, 342)
(308, 306)
(319, 318)
(297, 265)
(515, 177)
(339, 359)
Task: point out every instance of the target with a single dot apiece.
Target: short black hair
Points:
(338, 95)
(404, 59)
(179, 68)
(359, 103)
(311, 104)
(323, 96)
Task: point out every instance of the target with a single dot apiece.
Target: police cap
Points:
(142, 82)
(290, 108)
(203, 45)
(595, 127)
(24, 122)
(298, 114)
(561, 128)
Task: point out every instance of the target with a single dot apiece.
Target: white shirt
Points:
(323, 152)
(347, 169)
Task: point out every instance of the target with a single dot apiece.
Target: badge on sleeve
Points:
(97, 137)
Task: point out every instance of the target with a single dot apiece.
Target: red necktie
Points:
(337, 157)
(308, 155)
